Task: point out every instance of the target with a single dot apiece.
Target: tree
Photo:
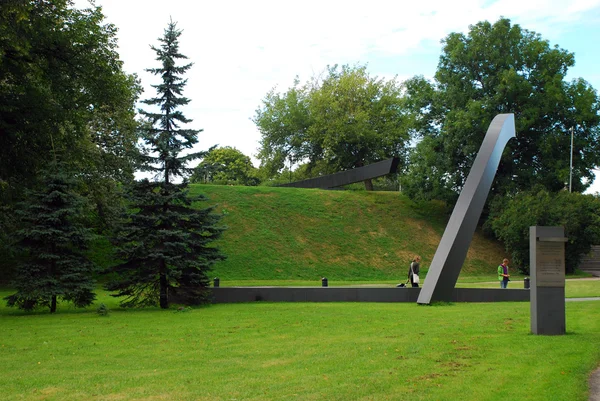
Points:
(225, 166)
(347, 120)
(63, 91)
(502, 68)
(54, 240)
(166, 244)
(283, 122)
(579, 214)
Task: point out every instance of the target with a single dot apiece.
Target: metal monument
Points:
(452, 250)
(350, 176)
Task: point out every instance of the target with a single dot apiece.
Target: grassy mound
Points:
(304, 234)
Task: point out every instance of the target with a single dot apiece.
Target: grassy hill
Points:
(305, 234)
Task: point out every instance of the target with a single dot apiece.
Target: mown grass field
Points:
(297, 351)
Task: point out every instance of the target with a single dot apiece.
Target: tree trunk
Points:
(53, 304)
(164, 291)
(368, 184)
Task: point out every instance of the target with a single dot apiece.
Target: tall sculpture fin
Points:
(452, 250)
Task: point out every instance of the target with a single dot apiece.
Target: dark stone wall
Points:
(346, 294)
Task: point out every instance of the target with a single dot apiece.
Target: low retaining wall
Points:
(362, 294)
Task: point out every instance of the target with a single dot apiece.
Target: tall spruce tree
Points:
(54, 240)
(166, 244)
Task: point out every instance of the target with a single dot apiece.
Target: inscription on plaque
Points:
(550, 255)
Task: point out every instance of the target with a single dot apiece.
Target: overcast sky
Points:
(242, 49)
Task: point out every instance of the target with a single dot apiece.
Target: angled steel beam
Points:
(350, 176)
(452, 250)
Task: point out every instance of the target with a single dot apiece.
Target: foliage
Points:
(347, 120)
(427, 177)
(166, 247)
(578, 214)
(54, 240)
(102, 310)
(163, 137)
(283, 122)
(165, 244)
(63, 91)
(502, 68)
(225, 166)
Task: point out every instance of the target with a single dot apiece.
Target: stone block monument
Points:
(547, 270)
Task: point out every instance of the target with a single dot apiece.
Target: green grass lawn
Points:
(297, 351)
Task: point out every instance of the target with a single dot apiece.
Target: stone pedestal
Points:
(547, 259)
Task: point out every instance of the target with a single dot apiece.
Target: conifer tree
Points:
(54, 240)
(166, 245)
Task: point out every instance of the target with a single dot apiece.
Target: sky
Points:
(242, 49)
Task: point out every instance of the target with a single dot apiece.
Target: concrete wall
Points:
(345, 294)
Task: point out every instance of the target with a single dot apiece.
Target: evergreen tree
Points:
(54, 240)
(166, 244)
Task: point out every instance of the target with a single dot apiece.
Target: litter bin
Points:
(216, 281)
(324, 282)
(526, 282)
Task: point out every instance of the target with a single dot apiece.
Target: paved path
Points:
(595, 385)
(582, 299)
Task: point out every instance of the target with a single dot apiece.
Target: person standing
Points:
(413, 271)
(503, 274)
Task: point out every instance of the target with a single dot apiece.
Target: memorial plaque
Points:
(550, 257)
(547, 292)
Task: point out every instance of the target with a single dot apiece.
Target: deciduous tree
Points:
(503, 68)
(579, 214)
(348, 119)
(225, 166)
(62, 89)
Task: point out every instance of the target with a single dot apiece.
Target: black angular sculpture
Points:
(452, 250)
(350, 176)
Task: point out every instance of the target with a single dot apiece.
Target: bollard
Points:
(526, 282)
(324, 282)
(216, 281)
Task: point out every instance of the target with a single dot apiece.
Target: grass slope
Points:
(305, 234)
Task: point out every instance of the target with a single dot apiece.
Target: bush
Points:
(579, 214)
(103, 310)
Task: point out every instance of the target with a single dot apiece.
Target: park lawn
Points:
(298, 351)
